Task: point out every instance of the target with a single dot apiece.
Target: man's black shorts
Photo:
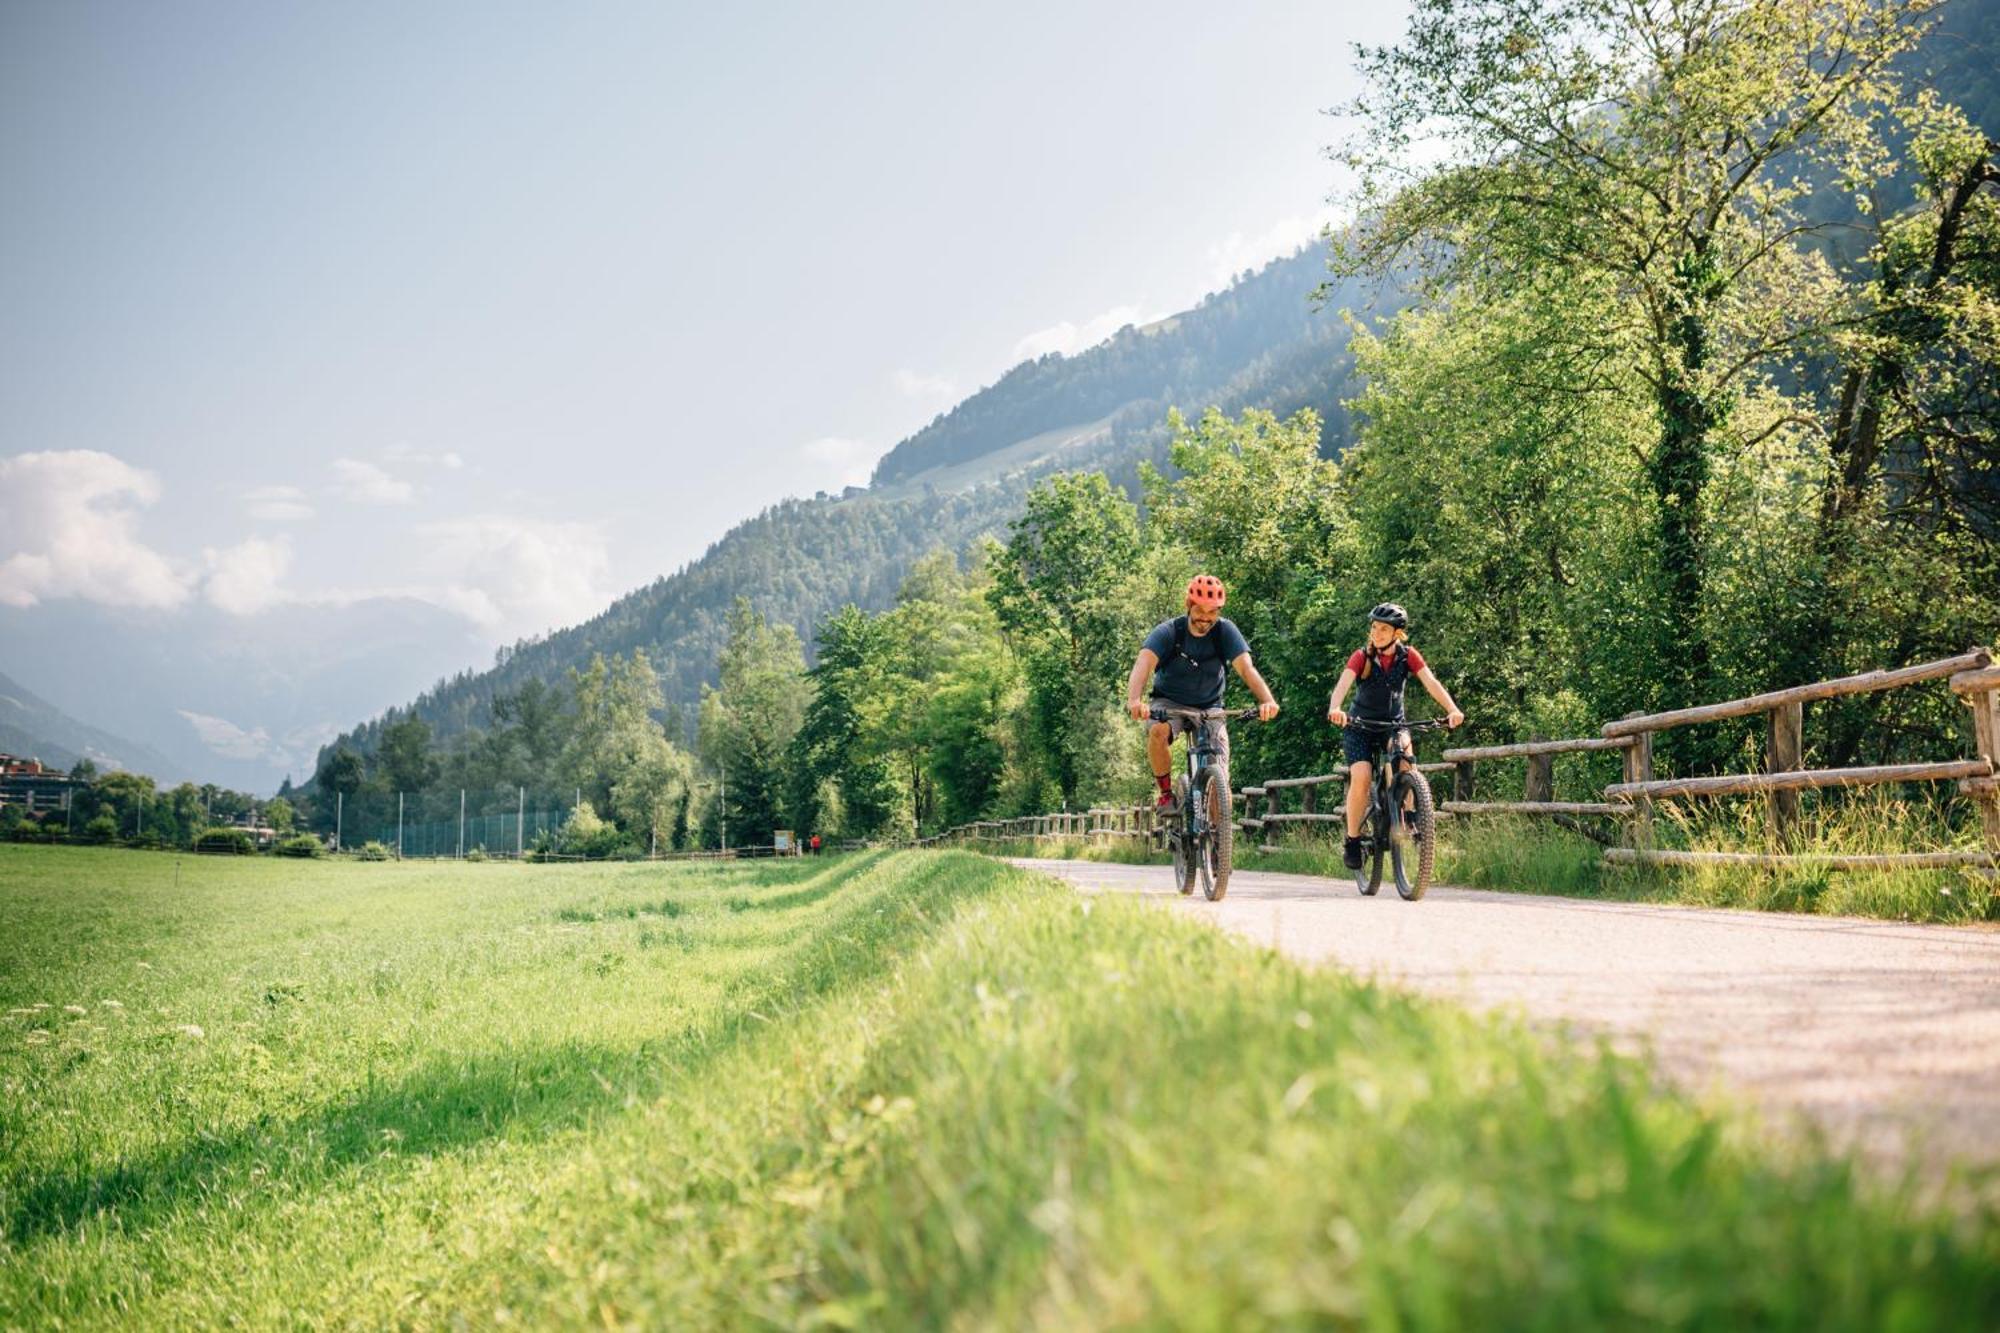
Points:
(1360, 745)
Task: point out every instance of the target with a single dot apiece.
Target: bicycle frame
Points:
(1204, 749)
(1386, 762)
(1204, 752)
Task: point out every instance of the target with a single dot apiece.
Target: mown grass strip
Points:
(940, 1092)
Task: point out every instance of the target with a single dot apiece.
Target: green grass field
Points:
(915, 1090)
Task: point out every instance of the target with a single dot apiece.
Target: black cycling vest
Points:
(1378, 696)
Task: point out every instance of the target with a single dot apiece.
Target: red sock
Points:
(1166, 783)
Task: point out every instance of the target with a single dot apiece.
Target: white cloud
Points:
(514, 575)
(916, 384)
(229, 740)
(1069, 339)
(244, 579)
(1236, 252)
(449, 459)
(296, 748)
(367, 484)
(68, 524)
(834, 461)
(277, 504)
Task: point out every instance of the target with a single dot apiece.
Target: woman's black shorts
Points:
(1360, 745)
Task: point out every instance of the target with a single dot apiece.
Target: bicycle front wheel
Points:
(1221, 848)
(1374, 835)
(1180, 838)
(1414, 849)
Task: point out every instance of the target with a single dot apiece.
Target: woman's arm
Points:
(1435, 688)
(1340, 689)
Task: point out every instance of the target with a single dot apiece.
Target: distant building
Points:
(263, 834)
(24, 782)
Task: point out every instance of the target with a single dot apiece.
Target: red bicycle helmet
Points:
(1205, 590)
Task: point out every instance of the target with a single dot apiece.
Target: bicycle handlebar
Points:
(1371, 724)
(1161, 712)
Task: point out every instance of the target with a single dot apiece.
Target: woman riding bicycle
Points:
(1382, 666)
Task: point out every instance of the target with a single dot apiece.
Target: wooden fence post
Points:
(1308, 804)
(1783, 753)
(1985, 706)
(1461, 780)
(1639, 768)
(1541, 784)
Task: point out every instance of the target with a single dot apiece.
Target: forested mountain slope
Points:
(1264, 342)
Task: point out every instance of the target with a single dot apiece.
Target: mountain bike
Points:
(1202, 835)
(1387, 829)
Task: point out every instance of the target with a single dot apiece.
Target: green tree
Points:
(1662, 152)
(344, 771)
(404, 757)
(281, 816)
(530, 731)
(1056, 593)
(1904, 547)
(747, 724)
(617, 753)
(838, 740)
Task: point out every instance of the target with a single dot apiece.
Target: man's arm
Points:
(1143, 668)
(1340, 689)
(1435, 688)
(1267, 706)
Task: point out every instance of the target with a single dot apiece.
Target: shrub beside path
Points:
(1885, 1035)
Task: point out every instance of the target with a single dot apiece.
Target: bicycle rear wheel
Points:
(1414, 848)
(1221, 849)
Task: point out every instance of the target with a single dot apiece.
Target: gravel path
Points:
(1888, 1035)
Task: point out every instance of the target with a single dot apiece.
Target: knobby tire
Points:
(1180, 837)
(1416, 834)
(1221, 835)
(1368, 875)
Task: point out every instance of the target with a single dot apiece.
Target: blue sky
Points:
(515, 307)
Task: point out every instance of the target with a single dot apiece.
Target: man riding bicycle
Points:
(1185, 659)
(1383, 666)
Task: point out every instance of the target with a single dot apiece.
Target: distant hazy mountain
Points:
(33, 728)
(239, 701)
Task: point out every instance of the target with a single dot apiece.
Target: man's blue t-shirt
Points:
(1194, 677)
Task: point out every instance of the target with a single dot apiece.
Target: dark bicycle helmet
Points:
(1390, 614)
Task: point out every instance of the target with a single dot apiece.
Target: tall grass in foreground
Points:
(1507, 852)
(913, 1091)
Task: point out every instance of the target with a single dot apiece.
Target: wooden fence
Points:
(1100, 823)
(1623, 820)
